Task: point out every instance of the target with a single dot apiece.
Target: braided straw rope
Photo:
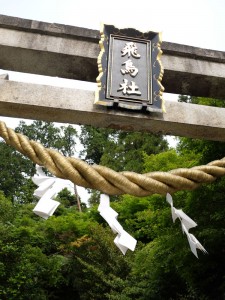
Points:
(105, 179)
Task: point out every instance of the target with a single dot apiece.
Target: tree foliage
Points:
(32, 265)
(119, 150)
(16, 170)
(72, 255)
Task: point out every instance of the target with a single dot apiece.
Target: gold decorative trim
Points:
(100, 67)
(153, 102)
(159, 79)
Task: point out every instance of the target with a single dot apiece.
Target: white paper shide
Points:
(48, 188)
(123, 240)
(186, 224)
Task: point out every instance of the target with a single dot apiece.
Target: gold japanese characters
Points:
(130, 49)
(130, 70)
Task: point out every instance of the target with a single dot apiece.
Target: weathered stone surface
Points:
(53, 29)
(71, 52)
(4, 76)
(74, 106)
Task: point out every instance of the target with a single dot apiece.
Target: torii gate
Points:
(71, 52)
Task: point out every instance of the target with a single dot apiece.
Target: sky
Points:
(199, 23)
(194, 22)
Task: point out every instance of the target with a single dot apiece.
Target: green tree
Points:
(73, 255)
(32, 260)
(119, 150)
(127, 152)
(99, 269)
(94, 141)
(62, 138)
(165, 268)
(16, 169)
(202, 101)
(14, 180)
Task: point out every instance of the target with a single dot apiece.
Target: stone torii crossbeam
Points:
(71, 52)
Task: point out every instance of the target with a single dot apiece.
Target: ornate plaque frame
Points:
(130, 70)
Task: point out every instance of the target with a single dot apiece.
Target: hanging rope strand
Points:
(105, 179)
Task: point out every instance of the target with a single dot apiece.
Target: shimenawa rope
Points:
(105, 179)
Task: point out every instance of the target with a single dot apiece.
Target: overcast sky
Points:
(199, 23)
(194, 22)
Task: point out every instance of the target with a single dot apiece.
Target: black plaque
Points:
(130, 70)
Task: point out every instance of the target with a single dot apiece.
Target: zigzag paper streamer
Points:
(123, 240)
(186, 224)
(48, 188)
